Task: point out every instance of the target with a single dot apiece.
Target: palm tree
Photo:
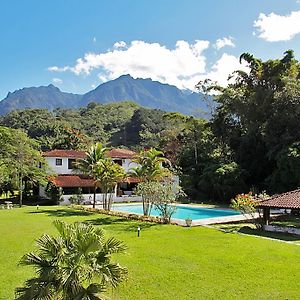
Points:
(108, 174)
(150, 169)
(74, 265)
(150, 166)
(89, 164)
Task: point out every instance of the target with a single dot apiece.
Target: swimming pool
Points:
(182, 212)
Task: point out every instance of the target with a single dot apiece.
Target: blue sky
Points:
(171, 41)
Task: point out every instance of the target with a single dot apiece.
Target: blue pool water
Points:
(182, 212)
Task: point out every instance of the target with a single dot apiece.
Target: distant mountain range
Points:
(145, 92)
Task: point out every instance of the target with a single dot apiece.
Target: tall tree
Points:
(150, 169)
(108, 174)
(257, 114)
(90, 164)
(22, 159)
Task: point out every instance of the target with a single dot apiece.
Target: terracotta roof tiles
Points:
(285, 200)
(114, 153)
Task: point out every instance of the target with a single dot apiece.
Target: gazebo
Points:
(289, 200)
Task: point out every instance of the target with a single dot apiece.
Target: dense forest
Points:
(252, 141)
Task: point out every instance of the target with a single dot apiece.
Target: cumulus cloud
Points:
(226, 41)
(274, 28)
(182, 66)
(57, 80)
(224, 67)
(120, 44)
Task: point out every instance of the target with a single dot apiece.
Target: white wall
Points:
(99, 197)
(127, 164)
(63, 169)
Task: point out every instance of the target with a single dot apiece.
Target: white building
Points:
(61, 163)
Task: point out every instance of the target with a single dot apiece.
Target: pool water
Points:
(182, 212)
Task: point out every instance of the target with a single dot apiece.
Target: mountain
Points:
(49, 97)
(145, 92)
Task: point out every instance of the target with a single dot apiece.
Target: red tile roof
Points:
(65, 181)
(285, 200)
(121, 153)
(65, 153)
(114, 153)
(71, 181)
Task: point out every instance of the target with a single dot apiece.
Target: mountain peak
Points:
(125, 76)
(145, 92)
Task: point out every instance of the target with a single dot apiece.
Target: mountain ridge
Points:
(145, 92)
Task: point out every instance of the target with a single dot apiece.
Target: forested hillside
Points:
(251, 143)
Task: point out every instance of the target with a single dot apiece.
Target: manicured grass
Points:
(166, 262)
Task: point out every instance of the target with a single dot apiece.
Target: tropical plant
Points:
(161, 195)
(150, 170)
(54, 192)
(108, 174)
(90, 165)
(77, 198)
(247, 205)
(150, 165)
(22, 160)
(74, 265)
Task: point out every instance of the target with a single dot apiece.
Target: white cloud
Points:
(94, 39)
(182, 66)
(226, 41)
(57, 80)
(120, 44)
(224, 67)
(274, 28)
(57, 69)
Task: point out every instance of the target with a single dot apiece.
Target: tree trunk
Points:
(21, 192)
(94, 200)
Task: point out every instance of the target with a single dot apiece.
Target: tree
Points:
(257, 115)
(108, 174)
(150, 165)
(90, 164)
(150, 169)
(74, 265)
(22, 159)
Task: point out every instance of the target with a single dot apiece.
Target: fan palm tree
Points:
(74, 265)
(89, 164)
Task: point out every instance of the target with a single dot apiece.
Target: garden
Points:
(165, 262)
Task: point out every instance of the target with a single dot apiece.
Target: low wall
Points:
(274, 228)
(88, 199)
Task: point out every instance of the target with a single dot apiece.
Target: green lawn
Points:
(166, 262)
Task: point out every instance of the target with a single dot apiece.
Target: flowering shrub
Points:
(245, 203)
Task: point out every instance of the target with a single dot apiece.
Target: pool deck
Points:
(218, 220)
(208, 221)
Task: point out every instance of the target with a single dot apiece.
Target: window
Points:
(58, 162)
(71, 163)
(118, 161)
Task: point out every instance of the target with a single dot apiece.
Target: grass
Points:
(249, 229)
(166, 262)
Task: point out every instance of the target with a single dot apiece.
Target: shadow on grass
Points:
(269, 234)
(61, 212)
(120, 223)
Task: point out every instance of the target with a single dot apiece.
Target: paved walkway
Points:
(219, 220)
